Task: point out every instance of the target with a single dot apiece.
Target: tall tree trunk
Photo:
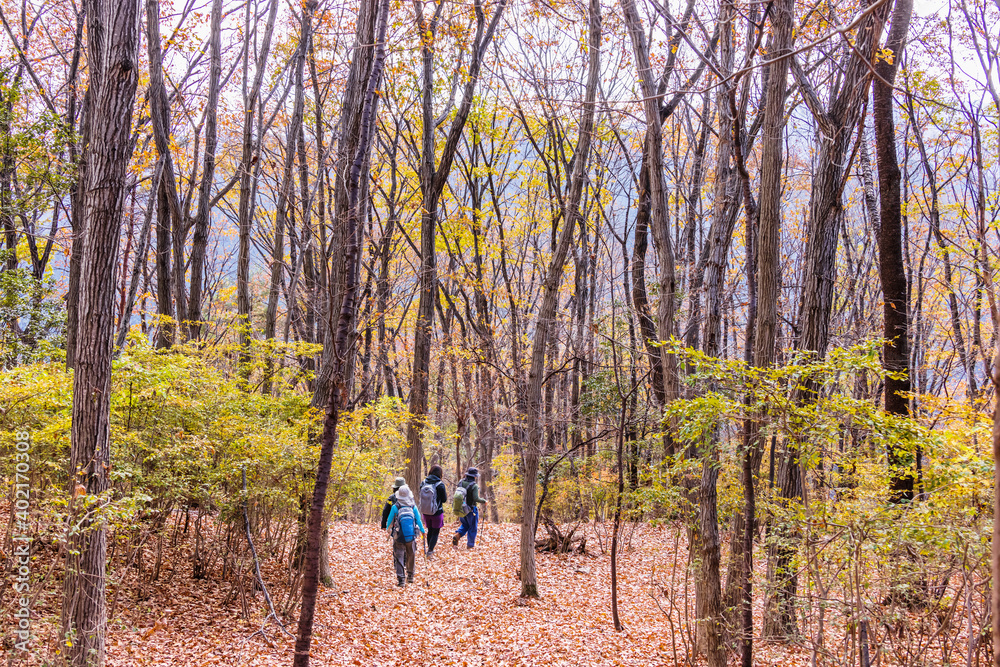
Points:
(532, 400)
(653, 147)
(248, 169)
(159, 108)
(739, 589)
(202, 218)
(432, 182)
(349, 133)
(708, 600)
(113, 60)
(345, 323)
(640, 298)
(896, 351)
(284, 194)
(826, 211)
(77, 149)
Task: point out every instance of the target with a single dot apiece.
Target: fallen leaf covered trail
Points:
(462, 609)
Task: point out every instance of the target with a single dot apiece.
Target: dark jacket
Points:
(471, 491)
(390, 501)
(440, 491)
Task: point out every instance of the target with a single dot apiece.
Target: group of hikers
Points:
(404, 515)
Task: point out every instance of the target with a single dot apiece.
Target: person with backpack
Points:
(465, 503)
(403, 523)
(391, 500)
(431, 500)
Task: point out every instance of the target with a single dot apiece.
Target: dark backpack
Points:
(404, 526)
(427, 499)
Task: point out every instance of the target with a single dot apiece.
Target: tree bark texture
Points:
(113, 60)
(768, 277)
(896, 351)
(835, 126)
(653, 156)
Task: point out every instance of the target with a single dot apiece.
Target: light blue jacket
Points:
(392, 517)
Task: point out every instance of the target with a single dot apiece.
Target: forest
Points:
(686, 311)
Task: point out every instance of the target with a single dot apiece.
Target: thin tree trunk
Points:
(248, 170)
(620, 460)
(896, 351)
(76, 218)
(282, 204)
(640, 298)
(159, 107)
(432, 182)
(934, 218)
(653, 155)
(345, 323)
(139, 265)
(532, 401)
(202, 218)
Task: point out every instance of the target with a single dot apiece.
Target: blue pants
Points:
(470, 526)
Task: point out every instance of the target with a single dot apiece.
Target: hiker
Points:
(403, 523)
(465, 503)
(391, 500)
(431, 500)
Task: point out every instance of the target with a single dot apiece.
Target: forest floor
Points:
(463, 609)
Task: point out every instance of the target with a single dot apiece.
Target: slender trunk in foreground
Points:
(348, 310)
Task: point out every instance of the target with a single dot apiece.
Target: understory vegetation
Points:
(200, 465)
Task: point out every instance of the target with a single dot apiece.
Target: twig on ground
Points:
(256, 567)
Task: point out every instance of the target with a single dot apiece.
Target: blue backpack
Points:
(404, 525)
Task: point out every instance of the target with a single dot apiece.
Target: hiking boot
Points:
(399, 582)
(454, 540)
(430, 555)
(409, 579)
(470, 547)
